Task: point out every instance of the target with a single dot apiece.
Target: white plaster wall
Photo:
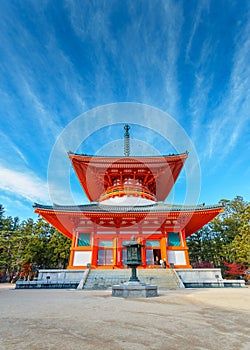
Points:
(127, 200)
(177, 257)
(82, 258)
(199, 274)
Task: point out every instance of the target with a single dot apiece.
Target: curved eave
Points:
(63, 223)
(63, 217)
(91, 170)
(200, 219)
(108, 159)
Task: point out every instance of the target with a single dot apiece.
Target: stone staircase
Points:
(104, 279)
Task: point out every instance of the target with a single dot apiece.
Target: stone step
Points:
(104, 279)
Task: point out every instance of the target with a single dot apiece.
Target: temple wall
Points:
(176, 257)
(105, 248)
(82, 258)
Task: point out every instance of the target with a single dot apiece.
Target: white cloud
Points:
(23, 184)
(13, 205)
(28, 186)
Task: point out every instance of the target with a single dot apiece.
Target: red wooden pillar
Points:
(166, 245)
(119, 251)
(94, 248)
(183, 239)
(163, 248)
(119, 247)
(143, 253)
(72, 251)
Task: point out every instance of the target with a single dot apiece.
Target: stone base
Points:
(206, 278)
(134, 290)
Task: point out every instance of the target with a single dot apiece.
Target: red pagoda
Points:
(127, 197)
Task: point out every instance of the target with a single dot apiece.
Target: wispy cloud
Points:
(36, 70)
(199, 99)
(14, 205)
(95, 69)
(202, 7)
(142, 55)
(232, 115)
(199, 59)
(23, 184)
(174, 19)
(5, 140)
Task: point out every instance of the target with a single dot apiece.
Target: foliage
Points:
(234, 269)
(10, 241)
(30, 245)
(241, 242)
(225, 238)
(203, 265)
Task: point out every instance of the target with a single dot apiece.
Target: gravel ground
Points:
(196, 319)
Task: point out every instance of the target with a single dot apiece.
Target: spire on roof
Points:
(126, 141)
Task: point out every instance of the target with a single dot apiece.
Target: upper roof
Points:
(96, 173)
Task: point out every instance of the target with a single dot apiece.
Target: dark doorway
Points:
(157, 256)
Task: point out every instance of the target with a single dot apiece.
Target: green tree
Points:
(45, 247)
(58, 250)
(225, 238)
(241, 243)
(203, 247)
(9, 240)
(29, 242)
(228, 225)
(195, 247)
(36, 247)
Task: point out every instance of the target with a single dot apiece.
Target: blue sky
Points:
(60, 59)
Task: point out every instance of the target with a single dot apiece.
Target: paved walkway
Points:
(200, 319)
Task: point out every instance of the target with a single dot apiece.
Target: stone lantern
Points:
(134, 288)
(133, 257)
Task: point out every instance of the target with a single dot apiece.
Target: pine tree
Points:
(9, 237)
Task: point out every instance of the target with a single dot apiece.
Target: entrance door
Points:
(149, 257)
(105, 257)
(153, 256)
(157, 256)
(105, 253)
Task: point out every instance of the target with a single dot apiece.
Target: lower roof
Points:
(99, 208)
(63, 217)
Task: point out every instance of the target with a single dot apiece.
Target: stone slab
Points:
(134, 290)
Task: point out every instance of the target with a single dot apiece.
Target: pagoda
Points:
(127, 197)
